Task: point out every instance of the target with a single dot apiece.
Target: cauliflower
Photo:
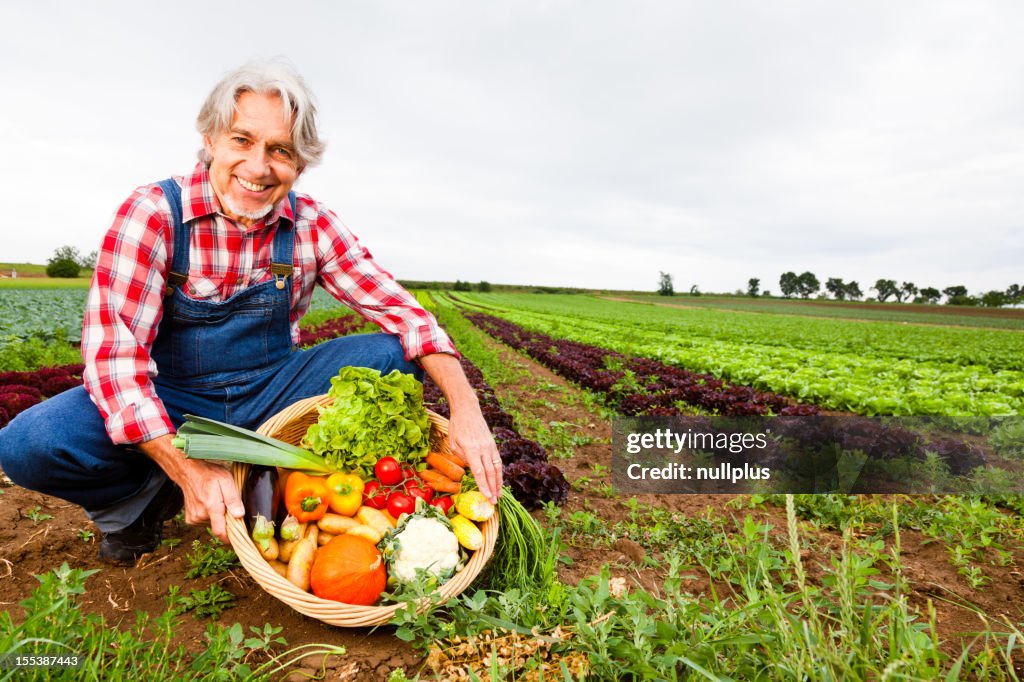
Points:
(424, 542)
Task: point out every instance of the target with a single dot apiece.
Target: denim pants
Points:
(61, 448)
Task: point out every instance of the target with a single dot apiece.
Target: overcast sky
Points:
(587, 144)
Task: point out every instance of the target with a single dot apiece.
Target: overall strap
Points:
(179, 261)
(284, 248)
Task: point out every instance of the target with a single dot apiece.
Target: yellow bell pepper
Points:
(345, 493)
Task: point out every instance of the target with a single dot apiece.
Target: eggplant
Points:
(260, 495)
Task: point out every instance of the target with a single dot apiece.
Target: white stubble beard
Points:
(248, 215)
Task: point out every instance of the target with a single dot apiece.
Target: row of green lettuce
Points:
(842, 365)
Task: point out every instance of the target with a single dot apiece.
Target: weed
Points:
(209, 603)
(580, 483)
(86, 535)
(36, 514)
(210, 558)
(53, 624)
(971, 528)
(560, 438)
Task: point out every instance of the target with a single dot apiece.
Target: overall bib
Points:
(231, 360)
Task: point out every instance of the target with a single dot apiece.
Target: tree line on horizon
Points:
(807, 284)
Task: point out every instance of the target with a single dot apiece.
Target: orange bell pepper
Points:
(306, 497)
(346, 493)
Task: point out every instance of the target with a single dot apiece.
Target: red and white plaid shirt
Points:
(126, 298)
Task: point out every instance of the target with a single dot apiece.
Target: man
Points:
(194, 308)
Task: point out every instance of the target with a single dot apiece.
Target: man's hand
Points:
(471, 439)
(208, 488)
(468, 434)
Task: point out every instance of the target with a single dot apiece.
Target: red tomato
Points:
(443, 503)
(425, 492)
(373, 496)
(388, 471)
(400, 503)
(409, 473)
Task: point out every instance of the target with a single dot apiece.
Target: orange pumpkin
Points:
(348, 569)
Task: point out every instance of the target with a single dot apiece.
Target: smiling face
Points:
(254, 163)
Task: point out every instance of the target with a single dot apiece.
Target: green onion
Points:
(522, 558)
(202, 438)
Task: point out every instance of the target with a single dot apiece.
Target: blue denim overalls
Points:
(218, 348)
(232, 361)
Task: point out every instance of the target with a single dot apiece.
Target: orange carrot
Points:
(439, 481)
(446, 466)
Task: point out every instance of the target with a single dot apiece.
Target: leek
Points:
(202, 438)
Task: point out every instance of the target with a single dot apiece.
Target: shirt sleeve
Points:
(124, 307)
(348, 272)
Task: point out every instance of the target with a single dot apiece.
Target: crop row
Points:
(987, 348)
(926, 314)
(21, 390)
(640, 386)
(43, 313)
(51, 314)
(525, 467)
(637, 386)
(846, 381)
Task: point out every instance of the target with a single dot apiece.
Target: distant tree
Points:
(64, 263)
(906, 292)
(993, 299)
(789, 283)
(665, 284)
(957, 295)
(955, 291)
(836, 287)
(483, 286)
(753, 285)
(89, 262)
(462, 286)
(930, 295)
(766, 293)
(853, 291)
(807, 284)
(1014, 293)
(694, 290)
(885, 289)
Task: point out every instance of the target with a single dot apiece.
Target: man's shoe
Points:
(124, 547)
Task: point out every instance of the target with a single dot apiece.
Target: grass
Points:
(764, 618)
(994, 318)
(22, 269)
(81, 282)
(53, 624)
(975, 531)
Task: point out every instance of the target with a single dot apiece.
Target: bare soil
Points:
(29, 547)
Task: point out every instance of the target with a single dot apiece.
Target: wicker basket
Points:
(290, 425)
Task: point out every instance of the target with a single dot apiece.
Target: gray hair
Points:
(265, 77)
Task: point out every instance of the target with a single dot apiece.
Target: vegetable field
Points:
(640, 587)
